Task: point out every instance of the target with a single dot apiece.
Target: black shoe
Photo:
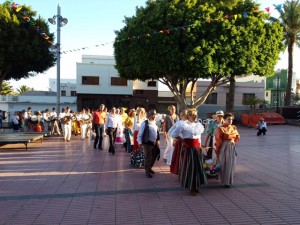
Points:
(95, 146)
(113, 153)
(152, 171)
(148, 175)
(100, 148)
(227, 186)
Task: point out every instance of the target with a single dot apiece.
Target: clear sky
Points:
(92, 23)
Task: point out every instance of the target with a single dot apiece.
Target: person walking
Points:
(227, 137)
(111, 123)
(169, 121)
(191, 171)
(99, 117)
(148, 139)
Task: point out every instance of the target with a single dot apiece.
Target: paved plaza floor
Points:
(58, 182)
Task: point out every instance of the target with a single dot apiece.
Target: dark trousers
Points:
(149, 159)
(99, 129)
(111, 134)
(262, 131)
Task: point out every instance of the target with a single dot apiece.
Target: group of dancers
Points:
(186, 158)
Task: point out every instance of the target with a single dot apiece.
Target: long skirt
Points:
(191, 171)
(227, 158)
(175, 158)
(135, 143)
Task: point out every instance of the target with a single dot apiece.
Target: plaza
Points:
(58, 182)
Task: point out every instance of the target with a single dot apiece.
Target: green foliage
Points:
(22, 89)
(290, 21)
(193, 39)
(23, 49)
(252, 101)
(6, 89)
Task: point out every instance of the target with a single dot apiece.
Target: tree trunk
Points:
(230, 96)
(287, 99)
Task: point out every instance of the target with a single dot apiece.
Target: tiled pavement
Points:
(70, 183)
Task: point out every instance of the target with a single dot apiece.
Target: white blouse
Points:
(188, 130)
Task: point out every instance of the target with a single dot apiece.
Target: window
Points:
(267, 94)
(63, 93)
(88, 80)
(151, 83)
(139, 92)
(117, 81)
(212, 99)
(73, 93)
(247, 96)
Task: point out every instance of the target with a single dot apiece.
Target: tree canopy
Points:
(179, 41)
(289, 17)
(24, 42)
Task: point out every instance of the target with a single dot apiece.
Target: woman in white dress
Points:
(191, 172)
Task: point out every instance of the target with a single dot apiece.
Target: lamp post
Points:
(277, 94)
(59, 21)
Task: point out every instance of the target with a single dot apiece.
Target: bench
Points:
(16, 138)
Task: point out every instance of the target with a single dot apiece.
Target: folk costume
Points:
(226, 138)
(191, 172)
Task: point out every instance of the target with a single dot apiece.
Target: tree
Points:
(252, 102)
(24, 43)
(6, 89)
(289, 17)
(178, 42)
(23, 89)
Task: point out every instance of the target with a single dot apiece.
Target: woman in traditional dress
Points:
(227, 137)
(174, 156)
(139, 118)
(191, 172)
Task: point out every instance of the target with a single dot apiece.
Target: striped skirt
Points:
(227, 159)
(191, 172)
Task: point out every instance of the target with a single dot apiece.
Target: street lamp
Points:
(277, 94)
(60, 22)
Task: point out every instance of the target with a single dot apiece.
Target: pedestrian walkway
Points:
(58, 182)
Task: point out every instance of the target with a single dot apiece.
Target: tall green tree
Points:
(6, 89)
(24, 43)
(23, 89)
(179, 41)
(289, 16)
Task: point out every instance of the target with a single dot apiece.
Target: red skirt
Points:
(192, 143)
(176, 158)
(135, 143)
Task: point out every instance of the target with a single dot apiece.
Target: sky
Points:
(91, 25)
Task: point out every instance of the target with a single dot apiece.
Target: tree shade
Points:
(178, 42)
(24, 43)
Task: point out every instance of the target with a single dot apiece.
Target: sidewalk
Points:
(58, 182)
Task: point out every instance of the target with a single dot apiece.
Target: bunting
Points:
(18, 9)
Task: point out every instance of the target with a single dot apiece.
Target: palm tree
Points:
(252, 102)
(22, 89)
(289, 17)
(6, 89)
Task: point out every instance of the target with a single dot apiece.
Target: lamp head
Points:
(52, 20)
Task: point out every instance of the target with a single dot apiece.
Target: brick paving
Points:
(58, 182)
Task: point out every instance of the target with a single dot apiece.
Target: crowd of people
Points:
(138, 132)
